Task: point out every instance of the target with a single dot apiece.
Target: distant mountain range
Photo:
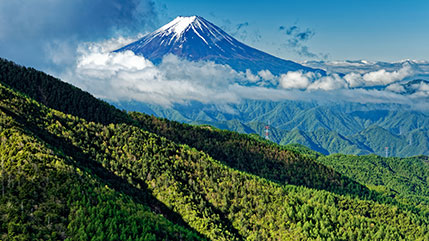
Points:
(194, 38)
(350, 128)
(347, 128)
(76, 168)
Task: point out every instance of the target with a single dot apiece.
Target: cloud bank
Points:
(311, 81)
(125, 76)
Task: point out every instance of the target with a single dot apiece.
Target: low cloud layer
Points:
(126, 77)
(311, 81)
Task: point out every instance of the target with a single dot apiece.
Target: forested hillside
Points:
(404, 178)
(58, 95)
(347, 128)
(50, 194)
(252, 155)
(155, 179)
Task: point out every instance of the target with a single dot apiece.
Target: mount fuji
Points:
(194, 38)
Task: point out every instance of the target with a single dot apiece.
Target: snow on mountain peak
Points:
(194, 38)
(178, 25)
(201, 27)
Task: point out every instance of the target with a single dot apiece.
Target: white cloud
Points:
(424, 87)
(354, 79)
(297, 79)
(266, 75)
(251, 77)
(382, 77)
(330, 82)
(125, 76)
(311, 81)
(422, 90)
(378, 78)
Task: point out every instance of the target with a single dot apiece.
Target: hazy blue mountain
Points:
(377, 139)
(325, 142)
(347, 128)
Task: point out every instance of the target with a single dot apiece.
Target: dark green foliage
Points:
(111, 182)
(303, 150)
(251, 155)
(213, 199)
(58, 95)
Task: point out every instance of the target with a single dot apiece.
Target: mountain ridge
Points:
(127, 162)
(194, 38)
(347, 121)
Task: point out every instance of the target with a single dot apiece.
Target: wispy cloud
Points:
(242, 31)
(296, 39)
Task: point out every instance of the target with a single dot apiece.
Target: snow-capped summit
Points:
(181, 27)
(194, 38)
(178, 25)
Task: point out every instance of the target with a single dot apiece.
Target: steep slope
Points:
(220, 202)
(215, 200)
(58, 94)
(232, 149)
(253, 156)
(48, 194)
(195, 38)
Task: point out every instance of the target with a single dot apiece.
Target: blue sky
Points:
(73, 40)
(372, 30)
(46, 34)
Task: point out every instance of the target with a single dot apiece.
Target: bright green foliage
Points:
(399, 177)
(251, 155)
(105, 177)
(46, 196)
